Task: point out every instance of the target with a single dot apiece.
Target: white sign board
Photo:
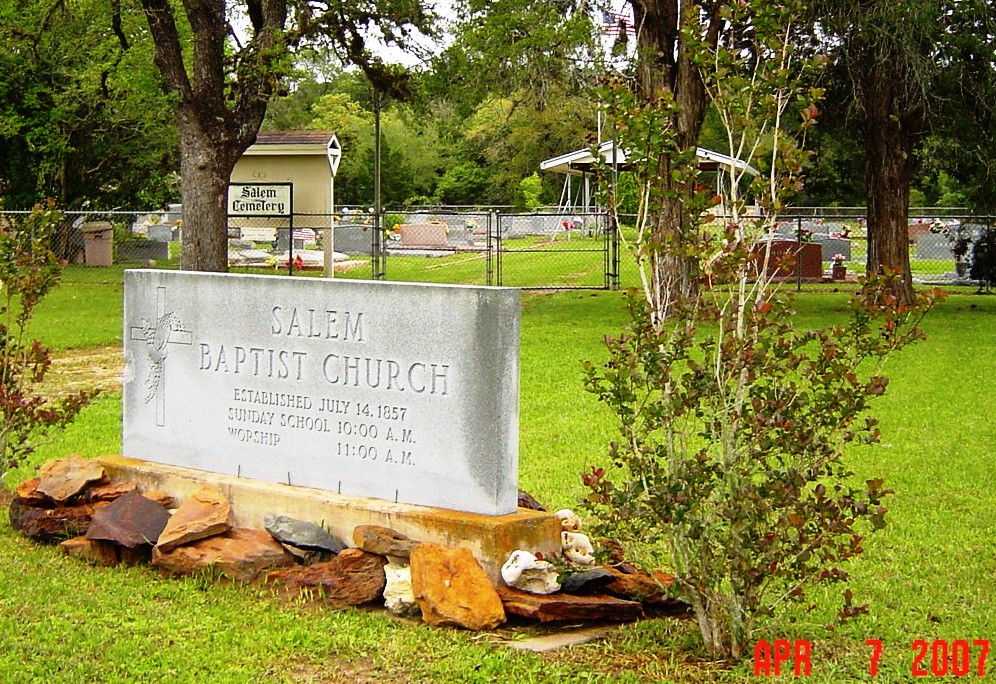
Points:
(260, 199)
(402, 392)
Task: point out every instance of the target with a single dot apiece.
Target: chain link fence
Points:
(114, 237)
(542, 250)
(946, 247)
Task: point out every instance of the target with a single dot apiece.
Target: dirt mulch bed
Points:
(84, 369)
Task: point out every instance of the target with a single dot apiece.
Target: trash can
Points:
(98, 243)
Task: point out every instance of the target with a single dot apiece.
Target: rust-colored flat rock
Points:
(49, 524)
(452, 588)
(202, 514)
(160, 497)
(95, 552)
(352, 578)
(240, 554)
(107, 492)
(568, 607)
(130, 521)
(64, 478)
(27, 493)
(383, 540)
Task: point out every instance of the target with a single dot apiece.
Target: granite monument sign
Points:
(401, 392)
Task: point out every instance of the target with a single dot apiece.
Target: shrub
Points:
(984, 259)
(733, 425)
(28, 271)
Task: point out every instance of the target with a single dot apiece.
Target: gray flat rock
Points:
(301, 534)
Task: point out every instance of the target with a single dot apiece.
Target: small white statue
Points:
(569, 521)
(577, 548)
(524, 571)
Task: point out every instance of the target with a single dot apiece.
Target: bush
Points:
(733, 425)
(984, 259)
(28, 271)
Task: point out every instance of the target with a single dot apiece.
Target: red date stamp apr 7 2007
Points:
(936, 658)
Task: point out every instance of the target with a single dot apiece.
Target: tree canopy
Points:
(516, 84)
(82, 119)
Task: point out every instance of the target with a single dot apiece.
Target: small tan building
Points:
(298, 157)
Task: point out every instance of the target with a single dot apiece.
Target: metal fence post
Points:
(798, 256)
(495, 242)
(488, 255)
(612, 230)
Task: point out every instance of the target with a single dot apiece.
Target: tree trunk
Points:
(891, 129)
(206, 164)
(664, 64)
(216, 120)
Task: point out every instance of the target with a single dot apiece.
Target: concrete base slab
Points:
(551, 642)
(490, 538)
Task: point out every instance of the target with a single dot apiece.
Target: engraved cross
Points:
(167, 329)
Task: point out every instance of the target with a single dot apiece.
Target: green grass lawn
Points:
(928, 575)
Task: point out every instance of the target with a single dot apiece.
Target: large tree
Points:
(736, 60)
(904, 66)
(238, 55)
(963, 140)
(668, 73)
(85, 126)
(889, 52)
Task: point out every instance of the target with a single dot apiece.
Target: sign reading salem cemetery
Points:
(260, 199)
(401, 392)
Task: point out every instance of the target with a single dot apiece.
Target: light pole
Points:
(333, 152)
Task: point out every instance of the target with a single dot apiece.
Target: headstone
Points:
(403, 392)
(175, 213)
(432, 234)
(143, 250)
(933, 246)
(833, 246)
(352, 238)
(162, 232)
(807, 256)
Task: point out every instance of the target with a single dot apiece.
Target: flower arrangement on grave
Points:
(838, 270)
(938, 227)
(805, 234)
(392, 226)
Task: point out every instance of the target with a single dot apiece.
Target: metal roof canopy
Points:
(580, 162)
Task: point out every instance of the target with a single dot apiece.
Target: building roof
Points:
(293, 137)
(581, 161)
(290, 142)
